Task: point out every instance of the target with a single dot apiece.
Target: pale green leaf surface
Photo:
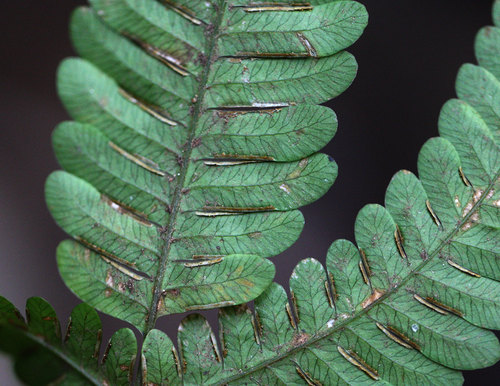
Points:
(85, 151)
(325, 30)
(139, 73)
(285, 135)
(155, 349)
(265, 234)
(230, 281)
(186, 163)
(99, 224)
(255, 83)
(112, 289)
(487, 49)
(496, 13)
(149, 22)
(480, 89)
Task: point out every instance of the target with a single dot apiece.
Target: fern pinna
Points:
(194, 143)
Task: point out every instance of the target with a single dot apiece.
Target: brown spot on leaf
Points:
(130, 285)
(300, 339)
(474, 217)
(376, 294)
(161, 304)
(68, 330)
(246, 283)
(307, 377)
(109, 278)
(172, 293)
(298, 171)
(196, 142)
(86, 255)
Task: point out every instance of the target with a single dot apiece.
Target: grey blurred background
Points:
(408, 58)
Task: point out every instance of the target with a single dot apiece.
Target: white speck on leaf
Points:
(270, 105)
(285, 188)
(414, 327)
(245, 77)
(109, 280)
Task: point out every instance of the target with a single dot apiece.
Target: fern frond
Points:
(43, 356)
(410, 304)
(194, 144)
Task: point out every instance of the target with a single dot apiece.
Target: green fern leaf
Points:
(43, 357)
(193, 146)
(410, 304)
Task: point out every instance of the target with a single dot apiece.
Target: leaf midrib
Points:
(389, 293)
(178, 193)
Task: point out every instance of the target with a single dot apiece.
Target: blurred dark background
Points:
(408, 59)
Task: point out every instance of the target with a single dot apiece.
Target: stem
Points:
(212, 37)
(186, 156)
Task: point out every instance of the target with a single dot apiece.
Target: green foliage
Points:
(410, 304)
(194, 143)
(42, 356)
